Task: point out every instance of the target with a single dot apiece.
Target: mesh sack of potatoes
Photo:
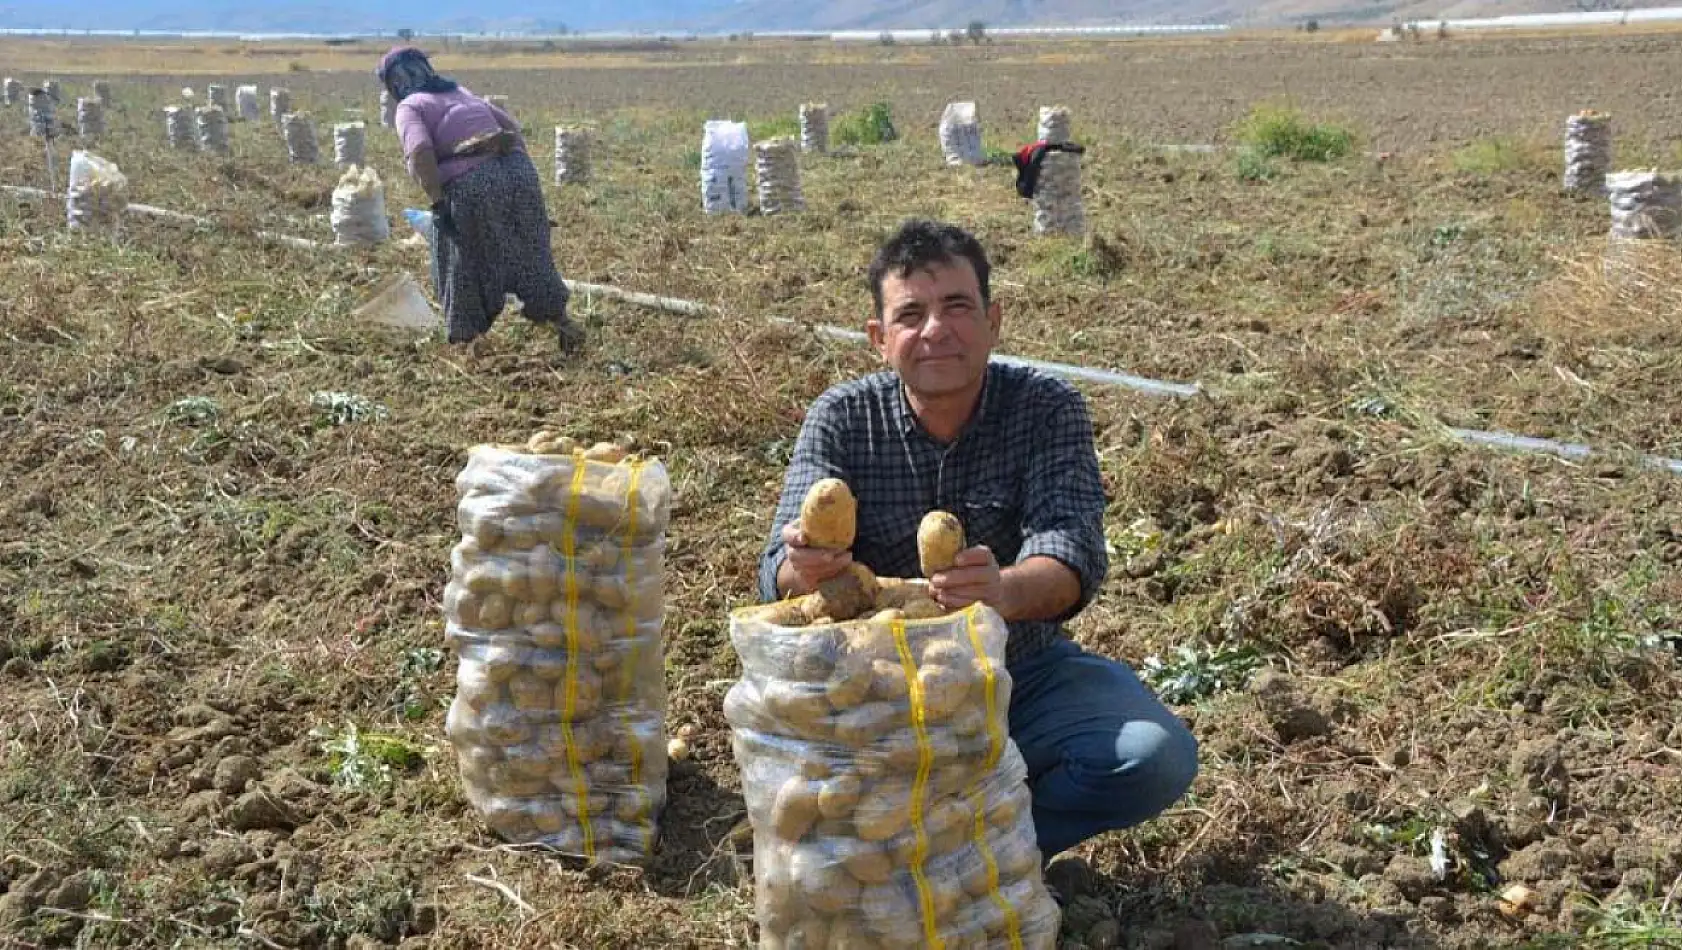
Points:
(358, 208)
(98, 192)
(554, 607)
(888, 803)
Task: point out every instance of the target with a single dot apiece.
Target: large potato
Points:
(549, 818)
(922, 608)
(901, 751)
(528, 614)
(846, 933)
(547, 664)
(847, 595)
(1016, 854)
(795, 809)
(824, 883)
(809, 934)
(892, 592)
(943, 689)
(461, 606)
(939, 539)
(940, 651)
(872, 640)
(504, 725)
(867, 862)
(586, 689)
(812, 654)
(484, 527)
(839, 796)
(969, 721)
(474, 686)
(783, 613)
(972, 872)
(520, 535)
(779, 900)
(543, 573)
(603, 775)
(891, 912)
(829, 515)
(861, 725)
(850, 684)
(509, 819)
(502, 660)
(888, 683)
(1003, 811)
(803, 706)
(882, 814)
(582, 625)
(495, 612)
(532, 694)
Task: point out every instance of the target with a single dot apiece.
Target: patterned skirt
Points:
(500, 247)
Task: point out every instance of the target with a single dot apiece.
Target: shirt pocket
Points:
(994, 521)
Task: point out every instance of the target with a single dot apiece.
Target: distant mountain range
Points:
(494, 16)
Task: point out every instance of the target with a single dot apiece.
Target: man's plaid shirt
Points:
(1022, 477)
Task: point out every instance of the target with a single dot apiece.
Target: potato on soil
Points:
(939, 539)
(829, 515)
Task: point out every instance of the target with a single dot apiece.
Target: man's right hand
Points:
(807, 567)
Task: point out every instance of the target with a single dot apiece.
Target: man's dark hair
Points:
(920, 244)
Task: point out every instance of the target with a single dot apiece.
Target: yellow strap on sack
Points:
(569, 550)
(925, 760)
(990, 679)
(628, 674)
(995, 748)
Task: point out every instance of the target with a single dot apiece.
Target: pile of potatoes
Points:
(554, 607)
(888, 803)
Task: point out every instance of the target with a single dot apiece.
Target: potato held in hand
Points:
(939, 539)
(829, 515)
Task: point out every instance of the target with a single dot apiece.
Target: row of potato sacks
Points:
(889, 805)
(554, 607)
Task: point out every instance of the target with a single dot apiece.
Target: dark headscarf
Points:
(405, 71)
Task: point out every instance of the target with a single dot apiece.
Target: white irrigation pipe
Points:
(1154, 387)
(1570, 450)
(169, 215)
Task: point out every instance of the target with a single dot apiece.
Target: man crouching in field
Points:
(1010, 451)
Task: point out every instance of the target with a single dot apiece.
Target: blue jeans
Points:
(1102, 752)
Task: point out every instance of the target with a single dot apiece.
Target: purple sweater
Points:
(443, 120)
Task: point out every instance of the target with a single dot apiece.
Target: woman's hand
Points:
(423, 168)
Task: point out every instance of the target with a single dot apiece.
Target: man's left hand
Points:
(973, 578)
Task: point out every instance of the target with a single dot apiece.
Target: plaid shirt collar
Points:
(909, 424)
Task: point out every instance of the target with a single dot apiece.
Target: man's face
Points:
(935, 331)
